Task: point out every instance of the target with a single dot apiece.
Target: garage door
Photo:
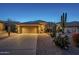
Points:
(29, 29)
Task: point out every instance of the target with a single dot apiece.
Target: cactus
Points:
(63, 20)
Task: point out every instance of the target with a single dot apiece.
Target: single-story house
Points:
(1, 26)
(72, 29)
(31, 27)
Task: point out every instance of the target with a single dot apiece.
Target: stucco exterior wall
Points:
(1, 26)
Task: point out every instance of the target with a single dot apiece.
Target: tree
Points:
(9, 27)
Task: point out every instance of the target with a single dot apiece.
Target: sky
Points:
(50, 12)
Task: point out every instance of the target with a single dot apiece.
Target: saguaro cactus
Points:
(63, 20)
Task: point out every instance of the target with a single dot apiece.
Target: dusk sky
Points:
(30, 12)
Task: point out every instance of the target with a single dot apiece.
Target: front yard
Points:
(31, 44)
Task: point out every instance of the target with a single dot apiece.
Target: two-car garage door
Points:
(29, 29)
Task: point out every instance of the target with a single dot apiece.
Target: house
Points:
(72, 29)
(31, 27)
(1, 26)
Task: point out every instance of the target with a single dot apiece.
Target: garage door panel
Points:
(24, 30)
(29, 29)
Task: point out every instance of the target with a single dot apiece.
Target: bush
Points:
(75, 37)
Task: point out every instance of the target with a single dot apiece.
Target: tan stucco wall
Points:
(18, 28)
(42, 28)
(1, 26)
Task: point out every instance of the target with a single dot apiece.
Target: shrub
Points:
(75, 38)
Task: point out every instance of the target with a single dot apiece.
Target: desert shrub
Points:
(62, 40)
(75, 38)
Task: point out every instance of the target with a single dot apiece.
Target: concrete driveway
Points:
(46, 46)
(32, 44)
(19, 44)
